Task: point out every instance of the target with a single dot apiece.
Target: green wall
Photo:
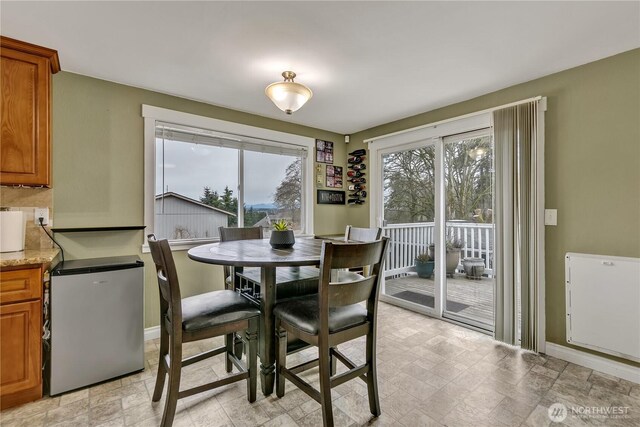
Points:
(98, 152)
(592, 164)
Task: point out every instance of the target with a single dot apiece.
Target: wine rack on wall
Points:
(356, 177)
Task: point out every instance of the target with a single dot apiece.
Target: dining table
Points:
(259, 253)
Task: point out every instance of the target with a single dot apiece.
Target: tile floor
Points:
(431, 373)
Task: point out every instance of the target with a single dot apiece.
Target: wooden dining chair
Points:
(227, 234)
(332, 317)
(356, 234)
(196, 318)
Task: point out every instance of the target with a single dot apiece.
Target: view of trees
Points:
(287, 199)
(288, 196)
(469, 178)
(227, 202)
(252, 216)
(409, 186)
(409, 182)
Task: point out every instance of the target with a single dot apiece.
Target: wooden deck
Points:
(476, 294)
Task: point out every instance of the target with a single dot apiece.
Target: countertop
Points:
(28, 257)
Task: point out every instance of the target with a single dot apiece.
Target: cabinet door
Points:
(20, 349)
(24, 107)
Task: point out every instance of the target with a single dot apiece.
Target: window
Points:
(204, 173)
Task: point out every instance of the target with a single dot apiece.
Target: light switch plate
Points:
(550, 217)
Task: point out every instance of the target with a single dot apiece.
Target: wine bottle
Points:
(359, 152)
(355, 201)
(355, 173)
(356, 187)
(357, 180)
(360, 193)
(358, 167)
(356, 159)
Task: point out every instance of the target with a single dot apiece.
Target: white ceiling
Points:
(367, 63)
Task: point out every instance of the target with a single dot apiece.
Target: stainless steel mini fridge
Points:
(97, 330)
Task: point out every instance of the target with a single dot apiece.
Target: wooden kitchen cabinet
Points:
(25, 108)
(20, 335)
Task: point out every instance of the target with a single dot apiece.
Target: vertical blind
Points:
(517, 224)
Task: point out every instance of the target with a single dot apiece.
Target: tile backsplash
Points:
(27, 199)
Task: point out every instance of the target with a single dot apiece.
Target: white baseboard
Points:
(591, 361)
(152, 333)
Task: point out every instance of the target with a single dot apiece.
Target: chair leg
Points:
(325, 386)
(333, 363)
(175, 366)
(238, 346)
(229, 341)
(252, 358)
(372, 375)
(162, 368)
(281, 357)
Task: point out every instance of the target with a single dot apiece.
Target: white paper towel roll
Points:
(11, 231)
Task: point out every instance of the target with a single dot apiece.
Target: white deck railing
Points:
(409, 240)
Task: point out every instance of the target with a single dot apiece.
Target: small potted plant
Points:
(282, 236)
(424, 265)
(454, 247)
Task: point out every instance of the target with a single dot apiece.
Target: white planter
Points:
(473, 267)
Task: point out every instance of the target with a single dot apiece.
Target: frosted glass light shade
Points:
(477, 153)
(288, 95)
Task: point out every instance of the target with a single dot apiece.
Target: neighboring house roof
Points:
(268, 220)
(190, 200)
(264, 222)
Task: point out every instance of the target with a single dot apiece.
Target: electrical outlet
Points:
(41, 213)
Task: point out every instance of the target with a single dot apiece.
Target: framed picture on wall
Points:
(334, 176)
(324, 151)
(331, 197)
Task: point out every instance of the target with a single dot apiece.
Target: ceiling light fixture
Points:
(288, 95)
(477, 153)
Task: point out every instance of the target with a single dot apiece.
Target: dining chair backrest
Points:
(170, 298)
(356, 234)
(228, 234)
(337, 256)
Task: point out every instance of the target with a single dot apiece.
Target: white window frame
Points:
(152, 115)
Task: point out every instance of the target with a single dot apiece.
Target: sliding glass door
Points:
(437, 209)
(468, 206)
(409, 187)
